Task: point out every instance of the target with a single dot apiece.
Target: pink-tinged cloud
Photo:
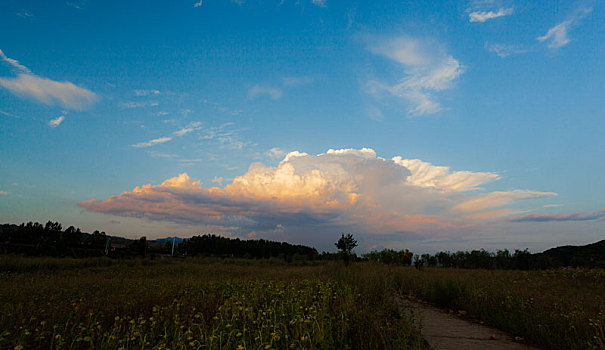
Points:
(560, 217)
(341, 189)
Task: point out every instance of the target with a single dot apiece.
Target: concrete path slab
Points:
(445, 331)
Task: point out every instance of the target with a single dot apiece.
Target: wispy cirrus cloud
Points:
(53, 123)
(193, 126)
(46, 91)
(10, 114)
(427, 70)
(272, 92)
(142, 92)
(557, 36)
(560, 217)
(320, 3)
(152, 142)
(14, 63)
(296, 81)
(503, 50)
(482, 16)
(346, 188)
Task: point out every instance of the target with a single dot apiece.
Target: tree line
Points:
(35, 239)
(213, 245)
(501, 259)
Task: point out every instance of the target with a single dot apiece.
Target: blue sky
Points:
(427, 125)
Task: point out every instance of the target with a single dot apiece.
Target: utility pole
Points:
(173, 239)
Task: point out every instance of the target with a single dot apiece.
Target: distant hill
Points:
(590, 255)
(177, 240)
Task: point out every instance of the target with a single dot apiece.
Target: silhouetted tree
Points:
(345, 244)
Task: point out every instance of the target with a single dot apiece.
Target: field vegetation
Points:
(212, 303)
(194, 303)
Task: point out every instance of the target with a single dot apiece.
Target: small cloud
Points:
(53, 123)
(79, 5)
(14, 63)
(558, 35)
(275, 153)
(218, 180)
(131, 104)
(374, 113)
(4, 193)
(482, 16)
(50, 92)
(25, 14)
(188, 162)
(146, 92)
(552, 205)
(296, 81)
(46, 91)
(10, 114)
(257, 90)
(163, 155)
(504, 50)
(320, 3)
(198, 4)
(152, 142)
(191, 127)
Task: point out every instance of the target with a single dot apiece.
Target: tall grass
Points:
(193, 303)
(555, 309)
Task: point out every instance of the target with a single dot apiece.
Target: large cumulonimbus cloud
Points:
(340, 188)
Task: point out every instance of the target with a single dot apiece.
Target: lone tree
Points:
(345, 244)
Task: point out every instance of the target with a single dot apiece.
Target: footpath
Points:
(445, 331)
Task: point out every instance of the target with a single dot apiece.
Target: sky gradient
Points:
(427, 125)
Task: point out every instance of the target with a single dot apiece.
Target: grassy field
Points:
(192, 304)
(265, 304)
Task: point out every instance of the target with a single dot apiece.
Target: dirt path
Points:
(444, 331)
